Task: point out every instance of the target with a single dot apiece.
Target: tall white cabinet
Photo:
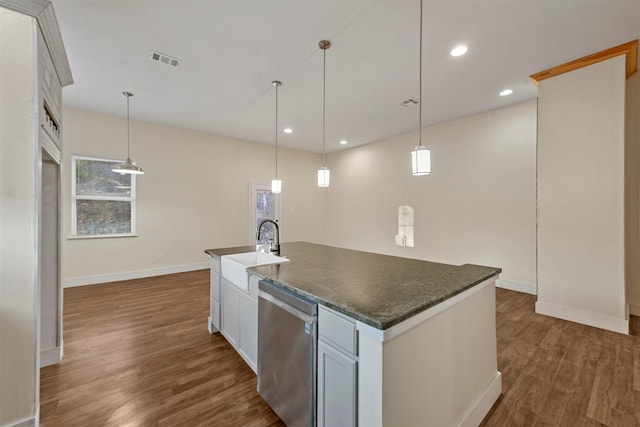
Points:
(33, 70)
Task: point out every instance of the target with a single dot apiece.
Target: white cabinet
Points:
(31, 285)
(214, 315)
(337, 369)
(230, 326)
(239, 320)
(248, 348)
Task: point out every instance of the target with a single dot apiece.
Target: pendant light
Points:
(276, 184)
(324, 172)
(128, 167)
(420, 156)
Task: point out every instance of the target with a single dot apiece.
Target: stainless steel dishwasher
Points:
(287, 341)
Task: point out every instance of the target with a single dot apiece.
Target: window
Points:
(263, 204)
(405, 226)
(103, 202)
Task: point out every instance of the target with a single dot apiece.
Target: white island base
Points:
(438, 368)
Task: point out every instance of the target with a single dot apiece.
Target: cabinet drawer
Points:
(338, 330)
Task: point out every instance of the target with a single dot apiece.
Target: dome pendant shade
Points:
(128, 167)
(276, 186)
(421, 161)
(324, 176)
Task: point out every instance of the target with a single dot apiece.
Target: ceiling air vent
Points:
(165, 59)
(408, 102)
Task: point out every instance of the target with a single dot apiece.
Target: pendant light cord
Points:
(276, 85)
(128, 95)
(324, 101)
(128, 126)
(420, 79)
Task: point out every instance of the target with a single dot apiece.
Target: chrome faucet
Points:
(276, 243)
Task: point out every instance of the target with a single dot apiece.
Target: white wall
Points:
(477, 206)
(632, 192)
(581, 142)
(193, 196)
(19, 160)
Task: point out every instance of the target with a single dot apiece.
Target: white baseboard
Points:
(481, 407)
(634, 309)
(584, 317)
(27, 422)
(128, 275)
(50, 356)
(527, 288)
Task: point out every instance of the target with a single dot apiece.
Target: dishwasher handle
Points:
(307, 318)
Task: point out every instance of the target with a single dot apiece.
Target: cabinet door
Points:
(215, 285)
(337, 387)
(249, 330)
(230, 312)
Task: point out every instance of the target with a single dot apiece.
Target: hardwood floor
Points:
(559, 373)
(137, 353)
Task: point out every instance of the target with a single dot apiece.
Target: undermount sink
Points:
(234, 267)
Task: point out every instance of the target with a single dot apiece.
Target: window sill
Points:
(101, 236)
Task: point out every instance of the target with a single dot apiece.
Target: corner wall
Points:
(193, 196)
(477, 206)
(632, 193)
(19, 175)
(581, 196)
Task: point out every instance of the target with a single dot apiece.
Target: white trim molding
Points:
(27, 422)
(527, 288)
(128, 275)
(481, 407)
(584, 317)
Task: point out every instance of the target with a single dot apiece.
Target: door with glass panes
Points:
(263, 204)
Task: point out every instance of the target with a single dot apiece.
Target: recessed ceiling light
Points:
(344, 142)
(288, 130)
(459, 50)
(506, 92)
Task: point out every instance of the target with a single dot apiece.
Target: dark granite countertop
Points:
(229, 251)
(379, 290)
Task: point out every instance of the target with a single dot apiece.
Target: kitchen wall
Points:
(477, 206)
(19, 162)
(581, 174)
(632, 192)
(193, 196)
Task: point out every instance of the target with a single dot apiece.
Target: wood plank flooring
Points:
(559, 373)
(137, 353)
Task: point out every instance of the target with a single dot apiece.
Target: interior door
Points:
(263, 204)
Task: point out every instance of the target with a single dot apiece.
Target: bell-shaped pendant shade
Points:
(324, 176)
(128, 167)
(276, 186)
(421, 161)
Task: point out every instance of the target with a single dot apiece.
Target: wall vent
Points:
(164, 59)
(408, 102)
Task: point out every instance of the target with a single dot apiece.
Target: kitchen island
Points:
(401, 341)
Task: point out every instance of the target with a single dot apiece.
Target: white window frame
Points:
(74, 197)
(254, 187)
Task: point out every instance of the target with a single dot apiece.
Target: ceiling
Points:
(231, 51)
